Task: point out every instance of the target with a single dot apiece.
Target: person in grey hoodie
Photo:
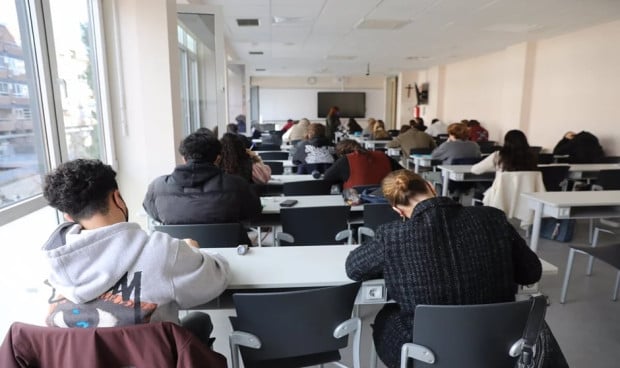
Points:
(106, 271)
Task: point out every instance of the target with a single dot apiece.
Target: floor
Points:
(587, 326)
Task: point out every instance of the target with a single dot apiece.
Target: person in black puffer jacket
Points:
(582, 148)
(197, 192)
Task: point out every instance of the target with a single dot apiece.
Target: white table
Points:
(571, 205)
(271, 205)
(372, 144)
(301, 266)
(463, 173)
(420, 161)
(282, 179)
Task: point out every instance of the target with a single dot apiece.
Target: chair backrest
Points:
(207, 235)
(535, 150)
(545, 158)
(420, 151)
(609, 179)
(266, 147)
(277, 167)
(273, 155)
(310, 187)
(310, 168)
(314, 225)
(505, 193)
(168, 345)
(553, 176)
(610, 160)
(295, 323)
(378, 214)
(466, 160)
(470, 335)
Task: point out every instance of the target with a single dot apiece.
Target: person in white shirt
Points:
(437, 127)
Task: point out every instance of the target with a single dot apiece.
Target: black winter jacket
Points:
(200, 193)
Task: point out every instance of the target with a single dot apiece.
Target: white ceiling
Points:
(324, 40)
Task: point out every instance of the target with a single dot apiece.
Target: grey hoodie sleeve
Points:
(198, 277)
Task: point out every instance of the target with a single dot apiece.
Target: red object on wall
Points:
(416, 112)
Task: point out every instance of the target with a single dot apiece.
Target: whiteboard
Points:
(283, 104)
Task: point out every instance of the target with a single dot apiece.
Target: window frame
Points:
(35, 15)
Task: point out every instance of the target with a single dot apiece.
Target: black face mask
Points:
(125, 212)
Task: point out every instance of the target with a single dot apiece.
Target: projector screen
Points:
(351, 104)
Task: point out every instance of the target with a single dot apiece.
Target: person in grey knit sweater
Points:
(457, 146)
(446, 254)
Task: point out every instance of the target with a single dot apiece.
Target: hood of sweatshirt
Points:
(194, 173)
(85, 264)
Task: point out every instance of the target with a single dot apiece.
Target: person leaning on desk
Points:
(442, 253)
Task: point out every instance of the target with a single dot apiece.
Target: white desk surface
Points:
(575, 199)
(271, 205)
(289, 267)
(466, 169)
(281, 179)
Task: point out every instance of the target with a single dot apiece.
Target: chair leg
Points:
(569, 268)
(373, 354)
(616, 286)
(594, 243)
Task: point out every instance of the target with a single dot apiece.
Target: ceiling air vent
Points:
(248, 22)
(261, 69)
(256, 53)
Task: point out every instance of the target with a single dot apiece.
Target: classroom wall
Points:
(145, 100)
(544, 88)
(293, 97)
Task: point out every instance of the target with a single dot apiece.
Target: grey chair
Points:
(208, 235)
(266, 147)
(277, 167)
(273, 155)
(555, 177)
(607, 180)
(294, 329)
(374, 216)
(309, 187)
(485, 335)
(314, 226)
(609, 254)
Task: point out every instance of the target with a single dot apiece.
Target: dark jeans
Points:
(200, 325)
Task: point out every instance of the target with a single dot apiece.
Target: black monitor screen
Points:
(351, 104)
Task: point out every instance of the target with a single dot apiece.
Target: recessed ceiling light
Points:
(289, 44)
(248, 22)
(256, 53)
(381, 24)
(261, 69)
(417, 58)
(278, 20)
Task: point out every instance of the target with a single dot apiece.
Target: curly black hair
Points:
(80, 188)
(200, 146)
(234, 158)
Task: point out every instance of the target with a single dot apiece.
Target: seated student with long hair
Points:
(515, 155)
(235, 159)
(442, 253)
(316, 148)
(357, 166)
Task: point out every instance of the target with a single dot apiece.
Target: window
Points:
(39, 47)
(23, 158)
(74, 42)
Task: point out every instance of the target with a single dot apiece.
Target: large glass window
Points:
(23, 158)
(77, 71)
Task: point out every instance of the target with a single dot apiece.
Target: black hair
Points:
(233, 154)
(200, 147)
(204, 130)
(516, 154)
(80, 188)
(232, 128)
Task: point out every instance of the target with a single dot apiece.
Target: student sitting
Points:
(582, 148)
(316, 149)
(367, 132)
(442, 253)
(437, 127)
(380, 134)
(297, 132)
(412, 138)
(515, 155)
(234, 129)
(476, 132)
(197, 192)
(357, 166)
(457, 145)
(107, 272)
(353, 127)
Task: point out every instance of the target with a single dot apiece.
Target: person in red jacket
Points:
(357, 166)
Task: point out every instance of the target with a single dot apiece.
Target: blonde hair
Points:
(371, 124)
(379, 132)
(459, 131)
(398, 186)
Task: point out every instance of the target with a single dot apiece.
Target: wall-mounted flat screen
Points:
(351, 104)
